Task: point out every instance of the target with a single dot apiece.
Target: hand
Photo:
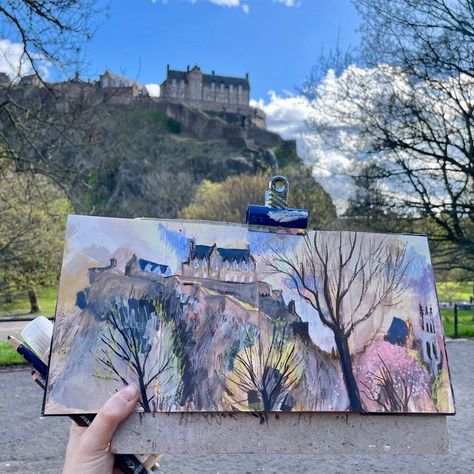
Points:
(88, 449)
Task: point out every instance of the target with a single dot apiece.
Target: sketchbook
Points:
(211, 317)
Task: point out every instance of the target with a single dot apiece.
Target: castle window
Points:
(252, 267)
(244, 266)
(428, 350)
(234, 265)
(231, 93)
(204, 263)
(435, 352)
(196, 263)
(196, 91)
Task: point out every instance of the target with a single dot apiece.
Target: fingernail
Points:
(131, 392)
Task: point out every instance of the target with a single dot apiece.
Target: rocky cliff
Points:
(136, 157)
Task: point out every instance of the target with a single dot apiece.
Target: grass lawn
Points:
(8, 355)
(465, 322)
(47, 299)
(454, 291)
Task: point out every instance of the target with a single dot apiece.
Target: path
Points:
(11, 327)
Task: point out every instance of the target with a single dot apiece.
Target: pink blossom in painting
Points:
(391, 378)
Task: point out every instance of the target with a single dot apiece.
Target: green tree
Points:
(228, 200)
(33, 217)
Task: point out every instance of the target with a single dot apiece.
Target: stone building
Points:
(209, 261)
(4, 80)
(109, 80)
(31, 80)
(206, 91)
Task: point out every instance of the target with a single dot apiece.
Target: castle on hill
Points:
(224, 96)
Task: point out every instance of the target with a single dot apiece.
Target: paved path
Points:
(11, 328)
(32, 445)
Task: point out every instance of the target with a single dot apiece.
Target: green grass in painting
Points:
(8, 355)
(465, 322)
(21, 306)
(454, 291)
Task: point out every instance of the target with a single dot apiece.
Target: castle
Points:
(222, 96)
(206, 91)
(209, 261)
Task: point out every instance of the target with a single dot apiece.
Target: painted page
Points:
(208, 317)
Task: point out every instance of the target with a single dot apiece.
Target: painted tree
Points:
(266, 370)
(136, 348)
(392, 380)
(346, 277)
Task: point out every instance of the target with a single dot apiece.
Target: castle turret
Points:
(431, 354)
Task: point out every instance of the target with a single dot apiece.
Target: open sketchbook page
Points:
(218, 318)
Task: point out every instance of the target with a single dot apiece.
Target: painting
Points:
(210, 317)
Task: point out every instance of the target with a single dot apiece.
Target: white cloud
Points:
(245, 8)
(338, 144)
(285, 115)
(226, 3)
(153, 89)
(16, 64)
(12, 59)
(288, 3)
(288, 116)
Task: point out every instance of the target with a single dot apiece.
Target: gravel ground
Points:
(29, 444)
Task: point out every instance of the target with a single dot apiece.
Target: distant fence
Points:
(458, 319)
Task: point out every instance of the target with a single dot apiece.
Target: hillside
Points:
(206, 329)
(154, 170)
(144, 157)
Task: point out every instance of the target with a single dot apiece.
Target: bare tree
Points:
(266, 370)
(391, 395)
(346, 277)
(413, 109)
(51, 32)
(134, 342)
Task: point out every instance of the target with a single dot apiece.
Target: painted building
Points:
(209, 261)
(155, 268)
(429, 344)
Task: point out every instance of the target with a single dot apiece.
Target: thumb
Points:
(99, 434)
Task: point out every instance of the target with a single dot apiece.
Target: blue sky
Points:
(275, 41)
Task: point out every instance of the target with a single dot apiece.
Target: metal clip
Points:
(276, 213)
(276, 195)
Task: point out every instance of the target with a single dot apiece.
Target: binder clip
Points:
(275, 212)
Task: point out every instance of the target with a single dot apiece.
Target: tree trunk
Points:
(141, 384)
(342, 345)
(34, 303)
